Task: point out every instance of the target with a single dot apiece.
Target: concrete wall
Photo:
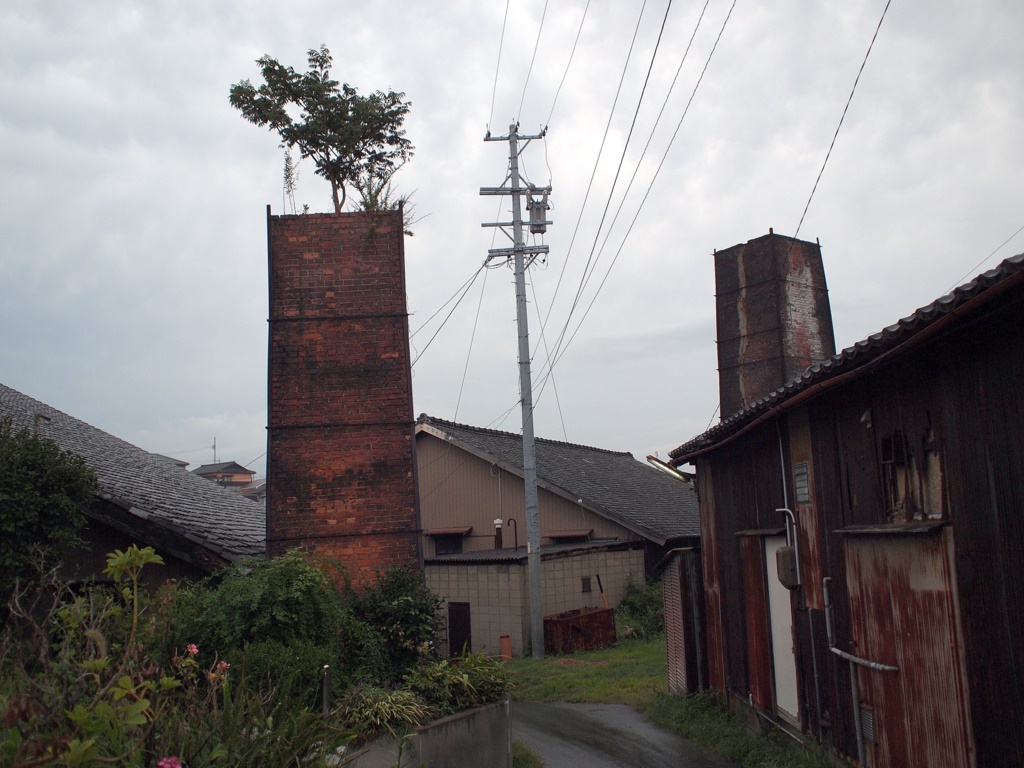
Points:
(499, 598)
(478, 737)
(340, 450)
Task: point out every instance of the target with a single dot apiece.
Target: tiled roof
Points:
(861, 354)
(613, 484)
(223, 466)
(149, 486)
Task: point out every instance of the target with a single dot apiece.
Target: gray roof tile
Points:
(614, 483)
(148, 485)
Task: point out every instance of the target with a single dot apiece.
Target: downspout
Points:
(854, 661)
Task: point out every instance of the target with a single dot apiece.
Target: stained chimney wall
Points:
(773, 317)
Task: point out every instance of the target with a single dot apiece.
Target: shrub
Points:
(371, 711)
(284, 599)
(43, 490)
(403, 610)
(641, 614)
(452, 685)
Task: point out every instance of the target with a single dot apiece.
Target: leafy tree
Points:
(348, 136)
(43, 491)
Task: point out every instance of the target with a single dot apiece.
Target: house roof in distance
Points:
(147, 485)
(864, 355)
(224, 466)
(611, 483)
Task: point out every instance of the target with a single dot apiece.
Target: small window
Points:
(448, 544)
(586, 584)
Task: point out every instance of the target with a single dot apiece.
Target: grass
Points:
(634, 672)
(522, 757)
(628, 673)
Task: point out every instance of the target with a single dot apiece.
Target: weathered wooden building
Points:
(861, 521)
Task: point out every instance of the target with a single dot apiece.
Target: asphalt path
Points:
(602, 736)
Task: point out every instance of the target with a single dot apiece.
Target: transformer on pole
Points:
(522, 256)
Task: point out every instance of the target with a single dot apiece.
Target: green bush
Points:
(641, 614)
(371, 711)
(452, 685)
(405, 613)
(43, 491)
(283, 599)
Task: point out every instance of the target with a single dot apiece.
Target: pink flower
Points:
(169, 762)
(192, 649)
(222, 666)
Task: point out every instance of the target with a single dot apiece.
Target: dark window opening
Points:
(448, 545)
(586, 584)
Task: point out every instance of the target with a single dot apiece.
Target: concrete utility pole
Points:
(523, 256)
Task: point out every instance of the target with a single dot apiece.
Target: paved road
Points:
(602, 736)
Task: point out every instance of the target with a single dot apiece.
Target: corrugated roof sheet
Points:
(860, 354)
(148, 485)
(615, 483)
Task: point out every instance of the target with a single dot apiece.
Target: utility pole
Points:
(523, 256)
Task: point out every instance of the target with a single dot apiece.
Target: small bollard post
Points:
(327, 690)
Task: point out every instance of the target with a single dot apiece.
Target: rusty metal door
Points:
(904, 613)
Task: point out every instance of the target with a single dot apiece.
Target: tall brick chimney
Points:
(773, 316)
(340, 474)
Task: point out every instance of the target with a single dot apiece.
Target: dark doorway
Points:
(459, 636)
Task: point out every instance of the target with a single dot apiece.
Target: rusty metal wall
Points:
(904, 614)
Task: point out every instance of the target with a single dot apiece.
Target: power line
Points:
(622, 159)
(567, 65)
(841, 119)
(597, 161)
(469, 353)
(439, 309)
(650, 186)
(533, 58)
(974, 269)
(447, 317)
(497, 66)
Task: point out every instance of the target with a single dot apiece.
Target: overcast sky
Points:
(133, 280)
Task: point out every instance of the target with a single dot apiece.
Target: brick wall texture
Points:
(773, 317)
(340, 475)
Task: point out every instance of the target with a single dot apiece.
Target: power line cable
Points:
(497, 67)
(650, 136)
(533, 58)
(841, 119)
(472, 337)
(567, 65)
(618, 170)
(643, 201)
(447, 318)
(554, 385)
(597, 161)
(439, 309)
(973, 270)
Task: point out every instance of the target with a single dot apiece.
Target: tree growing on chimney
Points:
(348, 136)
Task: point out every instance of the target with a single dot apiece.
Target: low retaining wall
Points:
(476, 738)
